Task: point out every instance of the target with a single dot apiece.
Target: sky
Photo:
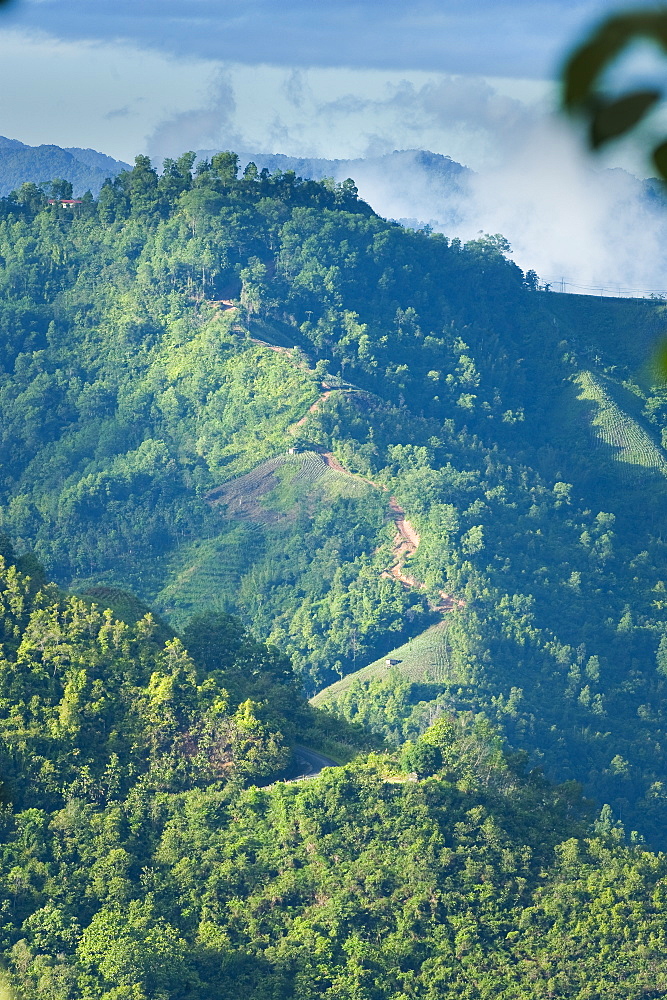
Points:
(338, 79)
(313, 77)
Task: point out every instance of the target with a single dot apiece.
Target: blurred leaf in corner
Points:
(607, 117)
(610, 118)
(613, 118)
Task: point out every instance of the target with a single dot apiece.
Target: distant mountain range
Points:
(85, 168)
(318, 167)
(594, 229)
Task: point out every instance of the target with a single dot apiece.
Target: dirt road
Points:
(405, 544)
(311, 409)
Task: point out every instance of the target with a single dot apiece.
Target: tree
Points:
(421, 757)
(107, 202)
(30, 197)
(225, 166)
(176, 177)
(143, 187)
(136, 948)
(254, 285)
(60, 188)
(214, 640)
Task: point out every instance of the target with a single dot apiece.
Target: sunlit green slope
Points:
(162, 344)
(422, 659)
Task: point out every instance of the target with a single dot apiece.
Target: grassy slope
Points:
(593, 435)
(614, 341)
(615, 426)
(423, 658)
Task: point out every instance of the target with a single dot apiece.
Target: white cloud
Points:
(65, 92)
(208, 126)
(565, 216)
(568, 218)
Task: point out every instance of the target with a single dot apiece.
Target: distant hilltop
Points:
(85, 168)
(317, 168)
(411, 186)
(392, 179)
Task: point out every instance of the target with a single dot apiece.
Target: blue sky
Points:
(328, 77)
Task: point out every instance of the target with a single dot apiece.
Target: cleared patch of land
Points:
(615, 427)
(270, 492)
(242, 497)
(426, 658)
(313, 409)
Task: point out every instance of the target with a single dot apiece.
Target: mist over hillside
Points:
(408, 185)
(580, 228)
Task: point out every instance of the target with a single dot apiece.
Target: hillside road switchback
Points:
(308, 764)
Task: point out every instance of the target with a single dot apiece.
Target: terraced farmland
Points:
(615, 427)
(311, 468)
(423, 659)
(268, 493)
(203, 569)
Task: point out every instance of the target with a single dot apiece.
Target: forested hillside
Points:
(139, 859)
(253, 397)
(168, 344)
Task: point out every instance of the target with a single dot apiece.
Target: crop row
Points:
(259, 472)
(618, 429)
(312, 468)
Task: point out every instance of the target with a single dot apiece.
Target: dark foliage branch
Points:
(610, 117)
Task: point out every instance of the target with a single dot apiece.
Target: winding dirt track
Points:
(405, 544)
(311, 409)
(271, 347)
(334, 464)
(406, 541)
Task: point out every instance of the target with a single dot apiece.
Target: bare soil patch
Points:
(241, 497)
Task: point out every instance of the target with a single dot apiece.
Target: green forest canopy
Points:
(162, 347)
(139, 859)
(516, 428)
